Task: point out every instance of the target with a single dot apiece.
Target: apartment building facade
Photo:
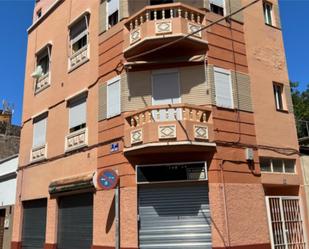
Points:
(194, 115)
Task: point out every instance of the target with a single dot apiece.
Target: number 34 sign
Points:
(107, 179)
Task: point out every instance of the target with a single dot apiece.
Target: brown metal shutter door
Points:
(34, 224)
(176, 217)
(75, 222)
(2, 218)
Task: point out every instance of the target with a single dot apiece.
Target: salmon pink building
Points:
(190, 110)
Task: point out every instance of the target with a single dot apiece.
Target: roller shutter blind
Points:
(112, 6)
(77, 112)
(39, 132)
(223, 86)
(217, 2)
(175, 217)
(34, 224)
(75, 221)
(113, 97)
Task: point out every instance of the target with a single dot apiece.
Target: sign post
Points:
(107, 180)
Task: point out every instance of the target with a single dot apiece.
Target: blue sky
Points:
(16, 15)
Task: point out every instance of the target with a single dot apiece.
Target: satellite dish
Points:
(38, 72)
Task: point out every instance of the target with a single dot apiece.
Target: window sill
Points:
(272, 26)
(76, 140)
(278, 173)
(282, 110)
(112, 116)
(38, 153)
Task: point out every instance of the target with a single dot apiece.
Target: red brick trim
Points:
(255, 246)
(109, 247)
(50, 246)
(16, 245)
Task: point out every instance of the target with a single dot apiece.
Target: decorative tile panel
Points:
(200, 132)
(39, 153)
(136, 136)
(135, 35)
(163, 27)
(167, 131)
(192, 27)
(76, 140)
(79, 57)
(42, 83)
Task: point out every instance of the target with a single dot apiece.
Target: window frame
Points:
(225, 71)
(223, 7)
(279, 98)
(266, 17)
(79, 97)
(110, 82)
(85, 32)
(107, 14)
(39, 118)
(270, 159)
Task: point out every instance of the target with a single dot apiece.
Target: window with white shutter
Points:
(223, 85)
(39, 131)
(112, 12)
(217, 6)
(77, 113)
(113, 97)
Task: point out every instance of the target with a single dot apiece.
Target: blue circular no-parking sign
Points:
(107, 179)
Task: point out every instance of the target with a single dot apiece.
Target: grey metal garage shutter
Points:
(75, 221)
(176, 217)
(34, 224)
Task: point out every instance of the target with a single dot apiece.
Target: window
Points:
(43, 60)
(277, 165)
(268, 13)
(217, 6)
(79, 35)
(77, 113)
(39, 131)
(113, 97)
(223, 86)
(278, 94)
(112, 12)
(39, 13)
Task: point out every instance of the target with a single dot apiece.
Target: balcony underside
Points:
(180, 51)
(170, 147)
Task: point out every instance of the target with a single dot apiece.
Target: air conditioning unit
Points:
(38, 72)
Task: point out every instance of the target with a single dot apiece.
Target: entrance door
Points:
(165, 91)
(75, 221)
(285, 222)
(174, 216)
(34, 224)
(2, 218)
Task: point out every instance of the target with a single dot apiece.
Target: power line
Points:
(195, 32)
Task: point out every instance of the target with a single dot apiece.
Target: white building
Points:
(8, 167)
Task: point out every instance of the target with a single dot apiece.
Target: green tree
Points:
(301, 108)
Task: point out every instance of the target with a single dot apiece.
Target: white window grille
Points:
(285, 222)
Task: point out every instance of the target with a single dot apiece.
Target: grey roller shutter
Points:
(34, 224)
(175, 217)
(75, 222)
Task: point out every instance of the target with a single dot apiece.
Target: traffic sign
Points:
(107, 179)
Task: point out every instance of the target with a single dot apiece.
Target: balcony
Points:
(42, 83)
(78, 58)
(39, 153)
(181, 125)
(157, 25)
(76, 140)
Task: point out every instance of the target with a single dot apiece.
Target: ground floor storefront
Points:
(182, 205)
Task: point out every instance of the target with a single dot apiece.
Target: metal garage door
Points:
(34, 224)
(75, 221)
(175, 217)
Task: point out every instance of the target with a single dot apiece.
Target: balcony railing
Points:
(79, 57)
(179, 122)
(42, 83)
(166, 19)
(39, 153)
(76, 140)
